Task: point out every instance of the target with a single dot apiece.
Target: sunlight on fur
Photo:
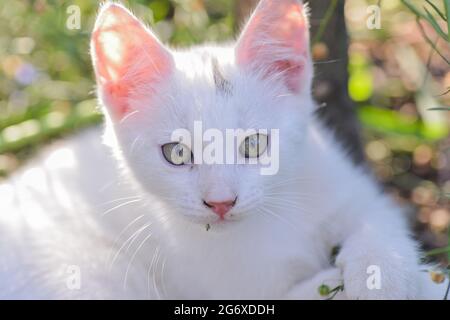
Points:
(132, 212)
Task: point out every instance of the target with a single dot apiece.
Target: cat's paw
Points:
(372, 276)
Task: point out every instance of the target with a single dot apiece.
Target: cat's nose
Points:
(220, 208)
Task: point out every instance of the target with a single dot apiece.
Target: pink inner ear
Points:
(127, 57)
(276, 40)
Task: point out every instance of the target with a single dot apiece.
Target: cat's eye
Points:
(253, 146)
(177, 153)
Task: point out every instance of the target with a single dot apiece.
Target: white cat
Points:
(77, 223)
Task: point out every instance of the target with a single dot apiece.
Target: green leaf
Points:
(393, 122)
(388, 121)
(429, 17)
(447, 13)
(438, 251)
(439, 12)
(160, 9)
(431, 43)
(435, 25)
(413, 9)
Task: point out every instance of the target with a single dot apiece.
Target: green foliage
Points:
(360, 86)
(445, 16)
(392, 122)
(432, 20)
(427, 16)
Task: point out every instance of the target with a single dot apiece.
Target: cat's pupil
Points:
(251, 144)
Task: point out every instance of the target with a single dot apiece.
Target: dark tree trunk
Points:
(331, 76)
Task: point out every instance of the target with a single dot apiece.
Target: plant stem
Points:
(427, 39)
(324, 23)
(439, 251)
(447, 13)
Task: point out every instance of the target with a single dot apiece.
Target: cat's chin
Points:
(212, 222)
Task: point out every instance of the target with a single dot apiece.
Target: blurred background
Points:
(382, 83)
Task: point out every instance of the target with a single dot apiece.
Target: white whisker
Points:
(131, 238)
(123, 232)
(119, 199)
(132, 259)
(280, 218)
(150, 269)
(119, 206)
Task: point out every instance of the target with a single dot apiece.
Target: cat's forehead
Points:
(204, 61)
(204, 86)
(207, 70)
(210, 88)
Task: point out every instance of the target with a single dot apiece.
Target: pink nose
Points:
(220, 208)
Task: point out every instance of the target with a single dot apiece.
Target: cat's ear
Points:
(275, 42)
(128, 59)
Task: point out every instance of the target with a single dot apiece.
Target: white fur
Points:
(78, 205)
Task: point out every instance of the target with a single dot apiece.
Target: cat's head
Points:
(261, 83)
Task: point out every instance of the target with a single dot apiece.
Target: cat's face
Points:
(262, 83)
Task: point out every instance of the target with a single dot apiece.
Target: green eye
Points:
(177, 153)
(253, 146)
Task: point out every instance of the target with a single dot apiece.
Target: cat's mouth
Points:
(214, 222)
(220, 224)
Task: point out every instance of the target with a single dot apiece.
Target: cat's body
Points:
(53, 219)
(59, 221)
(276, 240)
